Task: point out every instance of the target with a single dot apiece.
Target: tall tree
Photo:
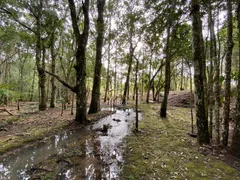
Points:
(131, 28)
(198, 55)
(215, 83)
(213, 59)
(163, 110)
(80, 67)
(235, 148)
(95, 102)
(227, 84)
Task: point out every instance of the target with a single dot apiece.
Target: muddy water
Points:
(98, 156)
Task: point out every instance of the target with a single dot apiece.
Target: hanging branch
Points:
(72, 88)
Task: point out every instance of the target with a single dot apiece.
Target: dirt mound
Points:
(181, 99)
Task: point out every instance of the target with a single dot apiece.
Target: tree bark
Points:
(95, 101)
(235, 148)
(41, 73)
(136, 92)
(212, 81)
(53, 68)
(80, 67)
(227, 84)
(181, 81)
(163, 110)
(131, 51)
(198, 55)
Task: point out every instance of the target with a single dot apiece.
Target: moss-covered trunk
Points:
(228, 64)
(235, 147)
(198, 55)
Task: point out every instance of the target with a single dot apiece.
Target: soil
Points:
(181, 99)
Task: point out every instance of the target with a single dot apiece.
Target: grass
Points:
(163, 150)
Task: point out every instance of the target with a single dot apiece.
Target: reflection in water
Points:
(103, 153)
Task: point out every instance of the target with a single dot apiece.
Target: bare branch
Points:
(73, 89)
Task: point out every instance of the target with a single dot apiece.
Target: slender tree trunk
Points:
(163, 110)
(235, 148)
(149, 77)
(181, 82)
(191, 99)
(33, 84)
(212, 81)
(136, 92)
(95, 101)
(42, 83)
(198, 55)
(53, 68)
(126, 87)
(108, 66)
(227, 89)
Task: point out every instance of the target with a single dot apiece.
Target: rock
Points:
(117, 120)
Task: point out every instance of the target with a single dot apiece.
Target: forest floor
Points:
(163, 150)
(29, 125)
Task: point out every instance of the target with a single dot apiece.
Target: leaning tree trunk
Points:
(163, 110)
(235, 147)
(198, 55)
(228, 63)
(126, 87)
(95, 101)
(80, 67)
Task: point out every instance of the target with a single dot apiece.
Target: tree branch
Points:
(72, 88)
(17, 20)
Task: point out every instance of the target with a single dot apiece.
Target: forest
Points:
(116, 89)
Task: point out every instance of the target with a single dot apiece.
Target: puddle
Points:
(88, 153)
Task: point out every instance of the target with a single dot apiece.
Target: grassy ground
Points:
(163, 150)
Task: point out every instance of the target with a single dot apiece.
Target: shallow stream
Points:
(87, 153)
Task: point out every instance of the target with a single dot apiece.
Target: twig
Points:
(6, 111)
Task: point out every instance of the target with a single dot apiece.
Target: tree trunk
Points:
(95, 101)
(126, 87)
(41, 73)
(42, 82)
(191, 91)
(235, 148)
(213, 59)
(33, 85)
(163, 110)
(53, 65)
(136, 92)
(149, 78)
(227, 89)
(80, 67)
(181, 81)
(198, 55)
(108, 66)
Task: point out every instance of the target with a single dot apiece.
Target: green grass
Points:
(163, 150)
